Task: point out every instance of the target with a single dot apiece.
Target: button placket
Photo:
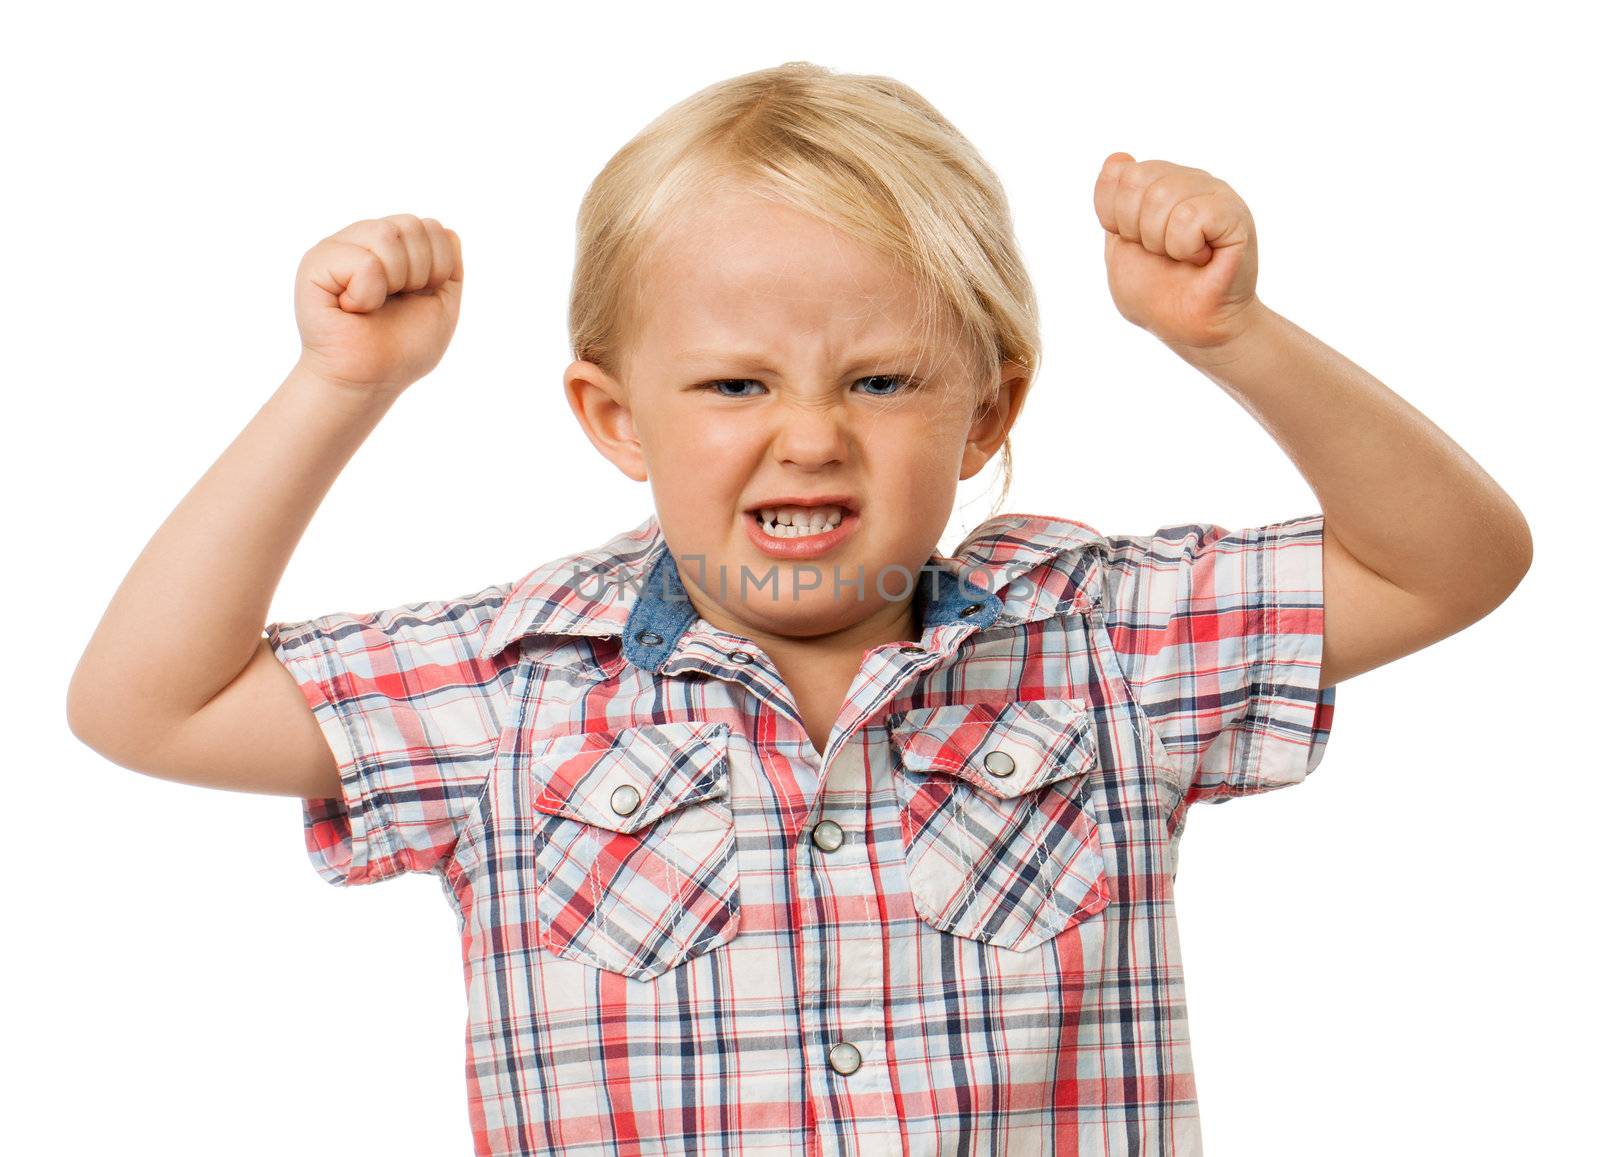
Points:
(846, 974)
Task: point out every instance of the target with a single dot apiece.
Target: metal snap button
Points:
(742, 657)
(999, 763)
(914, 649)
(827, 835)
(845, 1058)
(968, 612)
(648, 638)
(625, 800)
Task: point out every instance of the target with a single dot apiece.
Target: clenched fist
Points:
(1181, 251)
(377, 301)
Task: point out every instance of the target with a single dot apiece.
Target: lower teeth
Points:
(783, 530)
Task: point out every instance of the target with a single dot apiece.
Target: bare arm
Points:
(177, 680)
(1419, 541)
(181, 637)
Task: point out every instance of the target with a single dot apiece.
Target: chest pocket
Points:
(635, 865)
(996, 814)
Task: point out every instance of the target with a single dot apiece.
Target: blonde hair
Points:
(865, 154)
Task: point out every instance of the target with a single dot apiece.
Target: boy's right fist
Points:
(377, 301)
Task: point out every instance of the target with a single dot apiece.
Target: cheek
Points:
(670, 434)
(718, 439)
(926, 448)
(691, 455)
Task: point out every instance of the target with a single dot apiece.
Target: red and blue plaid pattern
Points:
(1009, 853)
(639, 889)
(669, 947)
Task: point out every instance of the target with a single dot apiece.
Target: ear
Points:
(601, 405)
(993, 421)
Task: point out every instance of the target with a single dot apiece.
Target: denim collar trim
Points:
(663, 612)
(1017, 567)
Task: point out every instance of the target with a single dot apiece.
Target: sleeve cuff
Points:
(336, 832)
(1290, 735)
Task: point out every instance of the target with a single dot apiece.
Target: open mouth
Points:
(801, 527)
(801, 518)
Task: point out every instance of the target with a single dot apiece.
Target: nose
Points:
(811, 435)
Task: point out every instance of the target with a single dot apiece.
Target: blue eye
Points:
(908, 383)
(731, 382)
(898, 380)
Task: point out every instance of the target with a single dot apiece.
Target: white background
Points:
(1390, 958)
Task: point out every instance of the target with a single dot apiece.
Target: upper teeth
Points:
(796, 521)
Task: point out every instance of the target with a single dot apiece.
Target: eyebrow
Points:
(760, 361)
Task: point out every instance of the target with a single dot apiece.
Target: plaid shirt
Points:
(683, 930)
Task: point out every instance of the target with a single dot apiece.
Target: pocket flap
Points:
(1004, 748)
(626, 779)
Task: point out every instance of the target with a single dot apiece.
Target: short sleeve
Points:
(413, 718)
(1220, 635)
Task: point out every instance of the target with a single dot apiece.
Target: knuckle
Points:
(1185, 210)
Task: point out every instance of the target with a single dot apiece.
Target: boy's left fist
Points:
(1180, 251)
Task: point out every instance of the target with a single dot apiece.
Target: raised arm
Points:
(177, 680)
(1419, 541)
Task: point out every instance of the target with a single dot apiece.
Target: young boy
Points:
(769, 828)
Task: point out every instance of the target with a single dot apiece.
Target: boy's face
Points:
(807, 331)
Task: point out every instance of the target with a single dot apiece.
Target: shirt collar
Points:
(1006, 567)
